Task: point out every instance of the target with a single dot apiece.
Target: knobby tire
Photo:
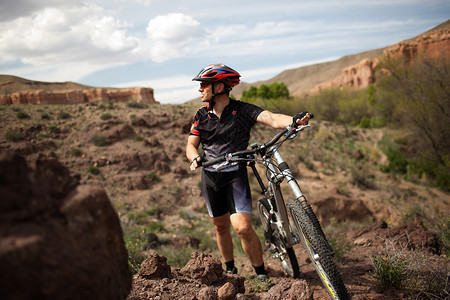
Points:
(316, 243)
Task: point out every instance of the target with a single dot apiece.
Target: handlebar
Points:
(256, 149)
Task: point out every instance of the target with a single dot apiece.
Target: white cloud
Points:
(171, 36)
(80, 40)
(55, 35)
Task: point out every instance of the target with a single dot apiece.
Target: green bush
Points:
(53, 129)
(106, 116)
(13, 136)
(45, 116)
(99, 140)
(93, 170)
(272, 91)
(135, 104)
(390, 271)
(135, 244)
(398, 162)
(22, 115)
(76, 152)
(63, 115)
(153, 177)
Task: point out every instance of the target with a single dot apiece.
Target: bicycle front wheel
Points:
(276, 244)
(318, 249)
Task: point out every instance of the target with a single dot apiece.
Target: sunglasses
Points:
(204, 84)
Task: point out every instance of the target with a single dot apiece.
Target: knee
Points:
(243, 230)
(222, 229)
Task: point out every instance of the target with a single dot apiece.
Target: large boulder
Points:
(58, 239)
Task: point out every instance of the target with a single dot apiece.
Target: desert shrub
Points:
(99, 140)
(22, 115)
(135, 242)
(156, 227)
(272, 91)
(63, 115)
(389, 271)
(76, 152)
(258, 286)
(106, 116)
(362, 178)
(274, 97)
(93, 170)
(415, 96)
(323, 134)
(135, 104)
(45, 116)
(138, 138)
(13, 136)
(53, 129)
(417, 273)
(372, 122)
(153, 177)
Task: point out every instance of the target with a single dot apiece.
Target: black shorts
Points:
(226, 192)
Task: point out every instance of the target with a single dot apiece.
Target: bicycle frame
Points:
(273, 191)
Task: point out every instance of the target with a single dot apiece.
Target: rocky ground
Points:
(136, 154)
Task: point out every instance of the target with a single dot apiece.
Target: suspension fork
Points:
(286, 173)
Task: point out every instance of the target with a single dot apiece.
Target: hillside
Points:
(303, 80)
(136, 154)
(11, 84)
(357, 69)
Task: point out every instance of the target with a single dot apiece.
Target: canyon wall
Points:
(361, 75)
(143, 95)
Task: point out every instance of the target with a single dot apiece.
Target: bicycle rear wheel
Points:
(317, 247)
(273, 236)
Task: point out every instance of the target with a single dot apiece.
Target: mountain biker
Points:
(223, 126)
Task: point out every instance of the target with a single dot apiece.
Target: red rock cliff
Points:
(41, 96)
(434, 42)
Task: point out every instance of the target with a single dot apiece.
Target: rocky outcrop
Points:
(58, 239)
(201, 278)
(432, 43)
(143, 95)
(360, 76)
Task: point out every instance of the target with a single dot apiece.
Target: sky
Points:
(163, 44)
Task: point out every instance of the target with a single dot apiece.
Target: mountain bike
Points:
(287, 223)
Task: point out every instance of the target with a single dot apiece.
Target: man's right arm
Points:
(192, 151)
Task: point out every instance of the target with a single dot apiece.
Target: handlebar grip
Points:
(212, 161)
(300, 116)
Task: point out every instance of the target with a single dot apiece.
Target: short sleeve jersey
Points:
(227, 134)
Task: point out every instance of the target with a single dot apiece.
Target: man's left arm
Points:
(279, 121)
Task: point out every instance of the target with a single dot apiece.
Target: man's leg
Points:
(242, 224)
(223, 235)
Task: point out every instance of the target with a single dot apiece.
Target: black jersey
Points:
(228, 134)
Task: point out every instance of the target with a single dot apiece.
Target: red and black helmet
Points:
(219, 73)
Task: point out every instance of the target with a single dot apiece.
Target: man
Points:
(223, 126)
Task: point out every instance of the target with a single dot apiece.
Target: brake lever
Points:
(303, 127)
